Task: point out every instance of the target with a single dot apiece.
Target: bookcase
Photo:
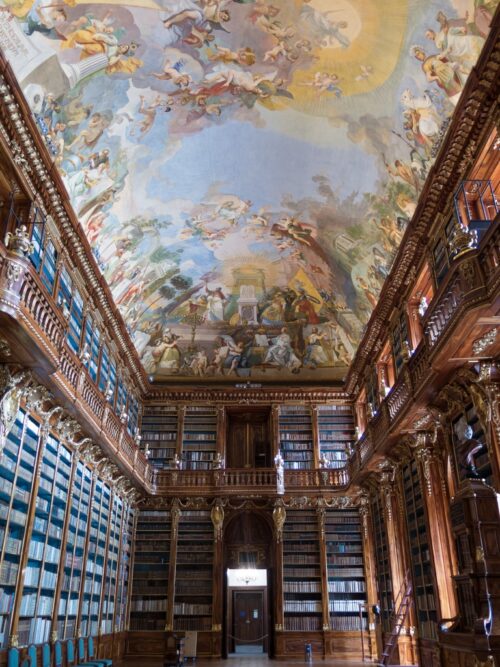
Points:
(199, 438)
(148, 603)
(17, 465)
(423, 582)
(122, 589)
(346, 575)
(296, 437)
(194, 572)
(44, 553)
(336, 433)
(159, 434)
(111, 571)
(383, 570)
(94, 568)
(72, 561)
(302, 598)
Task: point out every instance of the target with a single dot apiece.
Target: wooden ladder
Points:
(402, 605)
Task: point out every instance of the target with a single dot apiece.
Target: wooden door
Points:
(248, 620)
(248, 443)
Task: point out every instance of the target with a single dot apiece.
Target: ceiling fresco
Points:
(244, 170)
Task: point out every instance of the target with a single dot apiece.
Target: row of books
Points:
(302, 587)
(303, 623)
(197, 623)
(302, 606)
(348, 623)
(344, 606)
(346, 572)
(301, 572)
(347, 586)
(156, 604)
(190, 609)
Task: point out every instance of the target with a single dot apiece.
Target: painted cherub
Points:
(173, 72)
(244, 56)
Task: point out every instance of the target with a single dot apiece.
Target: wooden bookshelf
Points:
(159, 434)
(199, 438)
(336, 433)
(383, 573)
(44, 551)
(124, 573)
(346, 575)
(74, 552)
(149, 595)
(423, 582)
(296, 441)
(17, 465)
(111, 571)
(97, 538)
(302, 594)
(194, 572)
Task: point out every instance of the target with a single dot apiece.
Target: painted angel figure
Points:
(324, 30)
(192, 22)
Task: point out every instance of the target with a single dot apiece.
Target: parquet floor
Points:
(248, 661)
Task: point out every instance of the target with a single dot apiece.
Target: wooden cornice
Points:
(475, 115)
(250, 396)
(35, 166)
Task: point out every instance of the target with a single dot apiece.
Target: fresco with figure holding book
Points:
(244, 170)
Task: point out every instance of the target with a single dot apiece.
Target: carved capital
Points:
(425, 454)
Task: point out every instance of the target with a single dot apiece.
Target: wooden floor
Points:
(247, 661)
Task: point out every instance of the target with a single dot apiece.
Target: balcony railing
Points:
(240, 480)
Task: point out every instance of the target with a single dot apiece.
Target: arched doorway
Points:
(248, 584)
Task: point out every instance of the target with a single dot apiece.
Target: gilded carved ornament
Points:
(279, 517)
(217, 516)
(426, 456)
(481, 344)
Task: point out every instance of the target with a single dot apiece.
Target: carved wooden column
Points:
(370, 577)
(217, 516)
(398, 556)
(23, 560)
(279, 517)
(320, 511)
(275, 438)
(13, 269)
(175, 515)
(437, 511)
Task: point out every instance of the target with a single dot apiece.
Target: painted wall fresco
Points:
(244, 169)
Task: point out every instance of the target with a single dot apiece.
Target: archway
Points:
(248, 584)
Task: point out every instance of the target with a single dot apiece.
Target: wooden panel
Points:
(151, 644)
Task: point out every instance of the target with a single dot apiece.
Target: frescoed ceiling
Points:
(244, 169)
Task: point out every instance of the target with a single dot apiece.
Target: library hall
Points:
(249, 333)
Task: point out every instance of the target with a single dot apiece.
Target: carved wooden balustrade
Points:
(43, 322)
(242, 480)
